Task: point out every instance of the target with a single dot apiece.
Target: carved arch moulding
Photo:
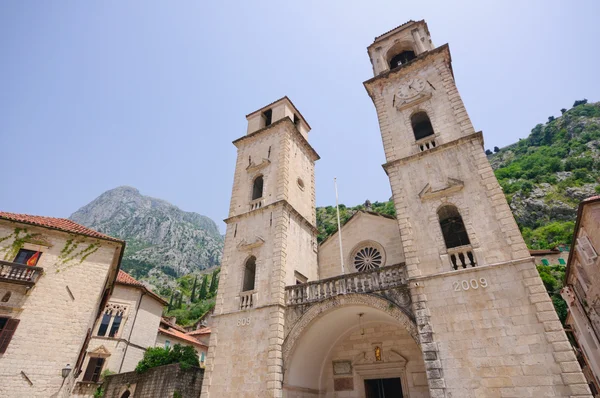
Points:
(321, 309)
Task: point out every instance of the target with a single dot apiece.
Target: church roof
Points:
(285, 97)
(397, 28)
(123, 278)
(358, 212)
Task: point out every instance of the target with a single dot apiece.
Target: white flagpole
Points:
(337, 206)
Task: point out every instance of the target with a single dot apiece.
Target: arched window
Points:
(453, 227)
(257, 188)
(402, 58)
(126, 394)
(421, 125)
(249, 274)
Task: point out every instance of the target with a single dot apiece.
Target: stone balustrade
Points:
(426, 143)
(462, 257)
(19, 273)
(246, 300)
(375, 280)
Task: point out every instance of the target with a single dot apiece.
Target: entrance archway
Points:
(331, 348)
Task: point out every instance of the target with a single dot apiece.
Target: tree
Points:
(170, 307)
(180, 302)
(580, 102)
(488, 152)
(562, 111)
(496, 149)
(186, 357)
(550, 119)
(203, 288)
(192, 297)
(214, 283)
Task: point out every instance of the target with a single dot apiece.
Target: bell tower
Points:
(270, 242)
(486, 325)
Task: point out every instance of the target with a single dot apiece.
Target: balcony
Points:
(19, 273)
(376, 280)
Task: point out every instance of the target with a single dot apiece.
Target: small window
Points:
(93, 370)
(453, 227)
(562, 261)
(421, 125)
(296, 120)
(268, 115)
(300, 183)
(202, 356)
(545, 262)
(6, 297)
(402, 58)
(126, 394)
(300, 279)
(7, 329)
(249, 274)
(257, 188)
(104, 324)
(115, 326)
(167, 344)
(27, 257)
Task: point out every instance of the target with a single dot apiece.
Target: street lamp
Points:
(66, 370)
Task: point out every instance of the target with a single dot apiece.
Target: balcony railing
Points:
(462, 257)
(19, 273)
(246, 300)
(374, 280)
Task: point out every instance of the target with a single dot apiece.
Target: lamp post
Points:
(65, 371)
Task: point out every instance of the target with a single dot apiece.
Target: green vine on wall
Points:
(69, 253)
(10, 252)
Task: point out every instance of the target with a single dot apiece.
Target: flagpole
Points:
(337, 206)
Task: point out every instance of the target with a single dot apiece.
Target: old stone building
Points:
(582, 290)
(443, 301)
(55, 277)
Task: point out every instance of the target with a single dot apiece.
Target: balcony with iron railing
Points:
(19, 273)
(375, 280)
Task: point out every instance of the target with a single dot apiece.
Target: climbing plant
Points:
(69, 254)
(20, 235)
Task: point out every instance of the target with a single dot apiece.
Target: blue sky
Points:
(94, 95)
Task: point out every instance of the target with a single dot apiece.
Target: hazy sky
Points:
(94, 95)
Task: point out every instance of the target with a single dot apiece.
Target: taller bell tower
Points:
(270, 243)
(486, 325)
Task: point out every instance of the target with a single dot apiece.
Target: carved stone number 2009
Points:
(470, 284)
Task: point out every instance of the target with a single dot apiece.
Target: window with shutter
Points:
(7, 329)
(586, 250)
(93, 370)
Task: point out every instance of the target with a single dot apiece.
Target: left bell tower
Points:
(270, 242)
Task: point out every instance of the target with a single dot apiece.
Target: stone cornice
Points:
(293, 130)
(281, 202)
(478, 136)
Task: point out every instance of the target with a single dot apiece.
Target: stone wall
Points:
(54, 315)
(160, 382)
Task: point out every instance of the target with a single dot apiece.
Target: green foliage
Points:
(553, 277)
(204, 288)
(580, 102)
(496, 149)
(189, 314)
(99, 393)
(136, 268)
(550, 235)
(177, 394)
(185, 356)
(214, 283)
(488, 152)
(193, 295)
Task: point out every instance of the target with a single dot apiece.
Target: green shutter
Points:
(545, 262)
(562, 261)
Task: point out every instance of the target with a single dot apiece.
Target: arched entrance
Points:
(359, 344)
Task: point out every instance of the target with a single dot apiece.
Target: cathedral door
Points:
(383, 388)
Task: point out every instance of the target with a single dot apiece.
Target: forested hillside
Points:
(544, 177)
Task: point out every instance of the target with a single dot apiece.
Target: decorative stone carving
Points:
(342, 367)
(453, 185)
(243, 245)
(253, 167)
(99, 352)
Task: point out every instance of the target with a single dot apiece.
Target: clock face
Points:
(411, 88)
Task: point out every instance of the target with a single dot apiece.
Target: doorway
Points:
(383, 388)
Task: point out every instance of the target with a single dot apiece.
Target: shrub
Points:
(496, 149)
(580, 102)
(488, 152)
(186, 357)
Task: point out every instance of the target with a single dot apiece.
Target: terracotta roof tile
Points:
(199, 332)
(182, 336)
(61, 224)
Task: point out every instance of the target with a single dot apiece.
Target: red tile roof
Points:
(61, 224)
(199, 332)
(182, 336)
(124, 278)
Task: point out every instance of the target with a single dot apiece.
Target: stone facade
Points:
(445, 300)
(160, 382)
(55, 313)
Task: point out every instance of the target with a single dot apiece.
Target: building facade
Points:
(55, 276)
(126, 327)
(443, 301)
(582, 290)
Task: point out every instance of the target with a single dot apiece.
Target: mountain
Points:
(544, 177)
(163, 241)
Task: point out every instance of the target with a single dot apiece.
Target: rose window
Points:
(368, 258)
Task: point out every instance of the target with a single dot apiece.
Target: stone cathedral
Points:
(443, 300)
